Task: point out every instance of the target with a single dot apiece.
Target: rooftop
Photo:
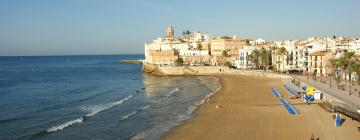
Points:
(319, 53)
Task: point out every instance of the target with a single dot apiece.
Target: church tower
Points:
(170, 32)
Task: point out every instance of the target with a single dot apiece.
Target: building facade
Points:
(318, 62)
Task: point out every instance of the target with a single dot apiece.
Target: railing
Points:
(343, 109)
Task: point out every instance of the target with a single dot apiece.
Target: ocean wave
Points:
(212, 82)
(160, 100)
(99, 108)
(167, 96)
(128, 115)
(142, 135)
(156, 131)
(171, 92)
(93, 111)
(162, 128)
(64, 125)
(143, 108)
(192, 108)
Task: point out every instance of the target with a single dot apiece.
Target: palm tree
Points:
(264, 56)
(356, 68)
(188, 33)
(274, 54)
(334, 65)
(282, 51)
(345, 62)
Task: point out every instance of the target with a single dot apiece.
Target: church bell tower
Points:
(170, 32)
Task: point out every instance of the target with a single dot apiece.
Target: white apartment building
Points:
(160, 52)
(295, 58)
(354, 46)
(243, 62)
(260, 41)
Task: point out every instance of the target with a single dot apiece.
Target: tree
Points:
(225, 53)
(188, 33)
(254, 57)
(356, 68)
(283, 52)
(333, 65)
(345, 62)
(264, 58)
(227, 63)
(199, 46)
(247, 42)
(179, 62)
(274, 55)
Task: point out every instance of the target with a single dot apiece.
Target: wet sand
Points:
(248, 110)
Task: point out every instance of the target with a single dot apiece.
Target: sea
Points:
(93, 97)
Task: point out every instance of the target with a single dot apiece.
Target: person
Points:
(312, 137)
(337, 120)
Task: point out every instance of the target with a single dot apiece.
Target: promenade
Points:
(342, 95)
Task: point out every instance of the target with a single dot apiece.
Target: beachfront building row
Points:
(310, 56)
(193, 49)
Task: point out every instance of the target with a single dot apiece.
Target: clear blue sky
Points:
(65, 27)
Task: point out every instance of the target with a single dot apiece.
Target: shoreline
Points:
(201, 106)
(210, 122)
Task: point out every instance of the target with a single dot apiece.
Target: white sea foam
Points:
(93, 111)
(166, 126)
(144, 107)
(192, 108)
(142, 135)
(64, 125)
(99, 108)
(167, 95)
(128, 115)
(174, 90)
(161, 100)
(134, 112)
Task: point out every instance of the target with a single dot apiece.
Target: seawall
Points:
(205, 70)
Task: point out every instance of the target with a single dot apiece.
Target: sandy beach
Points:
(248, 110)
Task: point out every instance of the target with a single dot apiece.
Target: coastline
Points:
(232, 115)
